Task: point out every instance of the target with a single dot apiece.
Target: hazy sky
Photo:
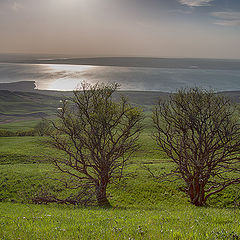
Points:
(159, 28)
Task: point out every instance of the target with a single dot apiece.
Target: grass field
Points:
(142, 207)
(20, 125)
(166, 222)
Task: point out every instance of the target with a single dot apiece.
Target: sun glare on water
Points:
(69, 68)
(65, 77)
(65, 84)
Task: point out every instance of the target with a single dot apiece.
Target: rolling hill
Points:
(22, 102)
(16, 106)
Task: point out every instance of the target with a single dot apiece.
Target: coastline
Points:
(182, 63)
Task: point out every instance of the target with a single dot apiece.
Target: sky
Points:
(149, 28)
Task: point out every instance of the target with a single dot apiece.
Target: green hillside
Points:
(143, 208)
(16, 106)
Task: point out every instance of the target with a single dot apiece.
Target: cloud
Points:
(196, 3)
(227, 15)
(228, 18)
(180, 11)
(228, 23)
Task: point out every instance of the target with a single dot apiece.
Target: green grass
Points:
(31, 222)
(20, 125)
(21, 164)
(142, 207)
(23, 149)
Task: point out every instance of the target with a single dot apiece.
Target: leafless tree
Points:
(97, 135)
(200, 133)
(42, 127)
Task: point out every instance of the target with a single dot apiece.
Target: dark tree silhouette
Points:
(200, 132)
(98, 135)
(42, 128)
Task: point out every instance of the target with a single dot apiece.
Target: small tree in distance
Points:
(42, 128)
(97, 135)
(200, 133)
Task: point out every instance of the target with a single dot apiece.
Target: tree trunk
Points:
(196, 192)
(101, 194)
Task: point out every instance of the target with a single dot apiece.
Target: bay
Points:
(68, 77)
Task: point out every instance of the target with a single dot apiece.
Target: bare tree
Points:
(200, 133)
(42, 127)
(97, 135)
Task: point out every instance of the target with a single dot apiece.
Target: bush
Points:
(6, 133)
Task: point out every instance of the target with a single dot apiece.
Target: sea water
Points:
(69, 77)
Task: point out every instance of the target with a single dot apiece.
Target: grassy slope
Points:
(17, 106)
(144, 209)
(20, 125)
(22, 106)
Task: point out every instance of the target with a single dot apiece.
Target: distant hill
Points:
(186, 63)
(26, 105)
(233, 95)
(34, 104)
(135, 97)
(24, 86)
(151, 62)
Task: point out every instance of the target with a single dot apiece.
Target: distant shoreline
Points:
(29, 86)
(182, 63)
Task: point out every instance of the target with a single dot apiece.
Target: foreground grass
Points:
(19, 221)
(143, 208)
